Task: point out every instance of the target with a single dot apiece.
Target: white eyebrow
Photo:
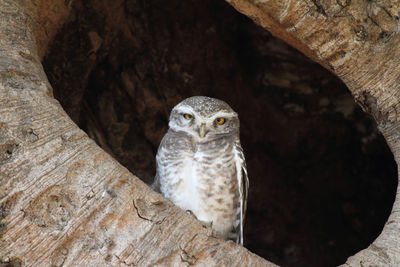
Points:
(185, 110)
(225, 114)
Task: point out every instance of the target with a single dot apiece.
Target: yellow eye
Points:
(188, 116)
(220, 121)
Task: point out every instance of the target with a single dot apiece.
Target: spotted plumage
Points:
(201, 166)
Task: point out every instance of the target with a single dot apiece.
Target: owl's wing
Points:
(156, 184)
(243, 182)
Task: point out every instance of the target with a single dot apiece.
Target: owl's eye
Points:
(220, 121)
(188, 116)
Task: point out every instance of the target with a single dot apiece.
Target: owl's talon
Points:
(191, 213)
(210, 224)
(207, 224)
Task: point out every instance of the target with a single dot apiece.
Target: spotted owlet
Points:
(201, 166)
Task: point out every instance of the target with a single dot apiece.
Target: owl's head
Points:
(204, 118)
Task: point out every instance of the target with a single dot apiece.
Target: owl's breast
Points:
(202, 179)
(218, 188)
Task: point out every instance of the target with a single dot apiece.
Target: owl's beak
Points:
(202, 130)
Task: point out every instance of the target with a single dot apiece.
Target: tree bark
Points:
(63, 200)
(359, 42)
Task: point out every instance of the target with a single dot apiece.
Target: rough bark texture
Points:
(359, 42)
(302, 132)
(65, 201)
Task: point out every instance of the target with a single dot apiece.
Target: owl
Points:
(201, 167)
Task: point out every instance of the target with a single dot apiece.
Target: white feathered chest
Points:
(203, 180)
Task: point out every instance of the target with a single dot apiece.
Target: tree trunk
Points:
(64, 201)
(359, 42)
